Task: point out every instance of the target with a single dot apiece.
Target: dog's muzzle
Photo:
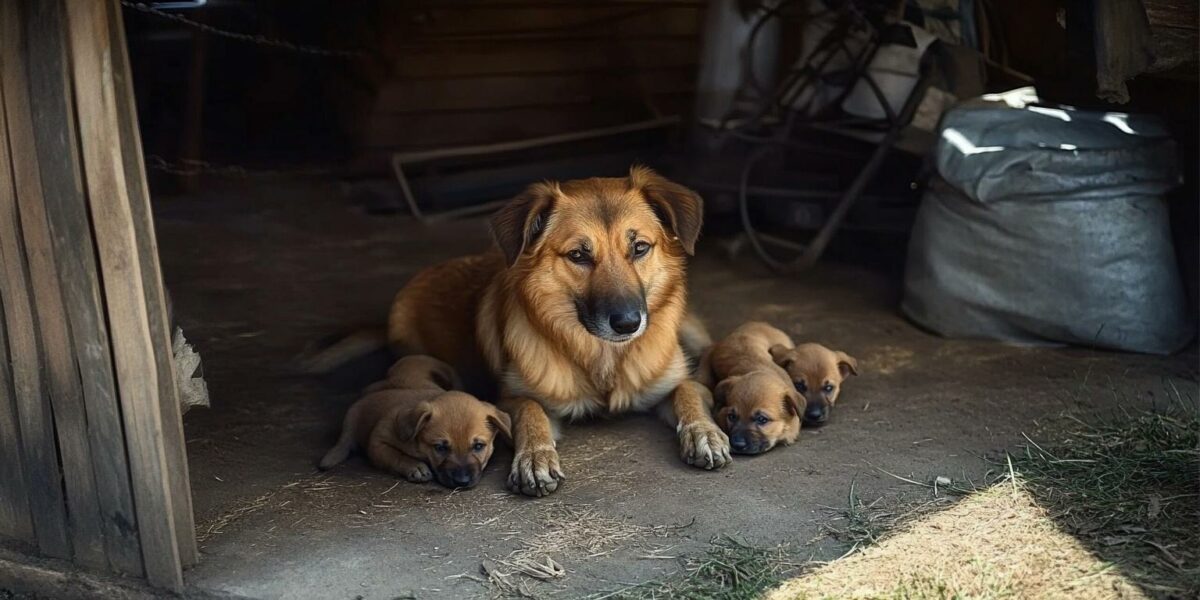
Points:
(613, 319)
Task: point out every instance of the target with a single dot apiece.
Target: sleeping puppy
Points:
(818, 373)
(422, 433)
(757, 406)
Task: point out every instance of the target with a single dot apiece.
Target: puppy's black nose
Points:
(738, 442)
(816, 413)
(460, 477)
(625, 323)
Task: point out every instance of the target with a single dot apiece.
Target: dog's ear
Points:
(681, 209)
(409, 424)
(501, 421)
(847, 365)
(781, 355)
(794, 403)
(721, 392)
(516, 226)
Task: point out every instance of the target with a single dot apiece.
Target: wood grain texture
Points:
(15, 519)
(158, 312)
(38, 447)
(92, 59)
(51, 115)
(61, 371)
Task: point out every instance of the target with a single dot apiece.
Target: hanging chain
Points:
(261, 40)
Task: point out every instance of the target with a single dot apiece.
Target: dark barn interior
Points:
(305, 160)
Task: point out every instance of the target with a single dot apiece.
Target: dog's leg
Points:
(387, 457)
(535, 468)
(701, 442)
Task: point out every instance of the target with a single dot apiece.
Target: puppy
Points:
(422, 433)
(757, 406)
(817, 372)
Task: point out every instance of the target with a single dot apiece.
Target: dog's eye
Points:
(578, 257)
(732, 417)
(761, 420)
(641, 249)
(801, 387)
(478, 446)
(442, 447)
(827, 388)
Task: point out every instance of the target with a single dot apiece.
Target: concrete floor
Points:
(257, 272)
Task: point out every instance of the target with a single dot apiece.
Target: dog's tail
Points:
(357, 344)
(341, 450)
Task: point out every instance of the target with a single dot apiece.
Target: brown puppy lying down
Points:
(421, 429)
(818, 373)
(757, 406)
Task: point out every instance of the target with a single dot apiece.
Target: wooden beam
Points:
(92, 60)
(38, 447)
(15, 520)
(179, 481)
(51, 126)
(61, 371)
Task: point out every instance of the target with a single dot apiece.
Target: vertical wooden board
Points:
(38, 447)
(15, 520)
(120, 262)
(58, 359)
(156, 301)
(50, 125)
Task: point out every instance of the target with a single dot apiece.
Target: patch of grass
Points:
(729, 570)
(1128, 488)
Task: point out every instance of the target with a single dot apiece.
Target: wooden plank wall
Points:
(88, 403)
(461, 73)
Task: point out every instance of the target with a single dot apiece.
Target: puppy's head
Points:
(601, 255)
(758, 410)
(421, 372)
(818, 373)
(456, 434)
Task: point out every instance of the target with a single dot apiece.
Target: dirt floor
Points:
(258, 272)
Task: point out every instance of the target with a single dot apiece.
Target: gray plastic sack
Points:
(1047, 226)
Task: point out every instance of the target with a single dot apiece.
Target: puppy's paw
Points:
(703, 445)
(535, 472)
(418, 473)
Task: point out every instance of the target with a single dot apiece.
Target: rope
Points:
(259, 39)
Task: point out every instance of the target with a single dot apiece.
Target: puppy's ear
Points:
(721, 392)
(501, 421)
(847, 365)
(681, 209)
(781, 355)
(794, 403)
(409, 424)
(516, 226)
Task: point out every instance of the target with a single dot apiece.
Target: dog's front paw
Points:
(418, 473)
(704, 445)
(535, 472)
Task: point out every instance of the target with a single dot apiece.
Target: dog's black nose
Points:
(461, 477)
(738, 442)
(816, 413)
(625, 323)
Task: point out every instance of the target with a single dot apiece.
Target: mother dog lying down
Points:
(579, 310)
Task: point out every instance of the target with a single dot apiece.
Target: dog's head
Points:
(757, 410)
(421, 372)
(456, 433)
(602, 253)
(818, 373)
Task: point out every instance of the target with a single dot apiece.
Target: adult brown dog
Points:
(413, 426)
(579, 310)
(756, 402)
